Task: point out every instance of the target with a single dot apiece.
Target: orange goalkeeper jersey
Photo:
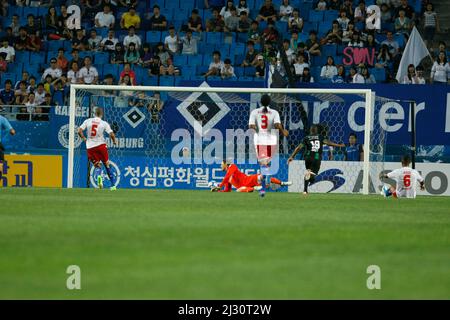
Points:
(238, 179)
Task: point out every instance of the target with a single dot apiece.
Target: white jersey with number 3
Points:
(265, 122)
(406, 180)
(96, 129)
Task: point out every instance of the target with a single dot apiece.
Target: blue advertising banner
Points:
(134, 126)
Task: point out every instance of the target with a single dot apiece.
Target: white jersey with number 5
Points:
(406, 179)
(265, 122)
(96, 129)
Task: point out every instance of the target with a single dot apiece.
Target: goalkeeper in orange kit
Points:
(241, 181)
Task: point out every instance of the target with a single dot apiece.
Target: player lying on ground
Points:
(241, 181)
(96, 145)
(266, 123)
(313, 155)
(4, 126)
(406, 180)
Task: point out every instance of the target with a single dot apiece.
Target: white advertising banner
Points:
(346, 177)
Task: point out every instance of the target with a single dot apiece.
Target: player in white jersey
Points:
(96, 145)
(406, 180)
(266, 122)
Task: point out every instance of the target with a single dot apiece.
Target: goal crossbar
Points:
(368, 94)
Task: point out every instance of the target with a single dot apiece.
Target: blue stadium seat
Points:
(188, 70)
(42, 11)
(153, 36)
(246, 78)
(171, 4)
(379, 74)
(303, 36)
(281, 26)
(50, 55)
(23, 56)
(101, 58)
(239, 59)
(400, 38)
(249, 71)
(329, 50)
(239, 71)
(166, 81)
(111, 69)
(195, 60)
(30, 10)
(12, 10)
(16, 67)
(238, 48)
(324, 27)
(54, 45)
(318, 60)
(207, 14)
(180, 60)
(310, 26)
(213, 37)
(201, 70)
(330, 15)
(183, 13)
(207, 49)
(242, 37)
(315, 16)
(8, 76)
(150, 81)
(37, 58)
(168, 14)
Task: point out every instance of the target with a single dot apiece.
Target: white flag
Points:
(414, 52)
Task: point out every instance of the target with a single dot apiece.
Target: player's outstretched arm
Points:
(283, 131)
(113, 137)
(297, 150)
(81, 134)
(333, 144)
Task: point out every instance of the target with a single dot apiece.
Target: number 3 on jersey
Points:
(94, 130)
(264, 121)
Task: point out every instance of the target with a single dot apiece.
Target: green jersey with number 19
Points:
(314, 147)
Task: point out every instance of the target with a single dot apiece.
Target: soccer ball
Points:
(212, 184)
(386, 191)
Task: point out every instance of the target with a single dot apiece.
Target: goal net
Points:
(176, 137)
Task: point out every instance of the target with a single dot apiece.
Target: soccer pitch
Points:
(155, 244)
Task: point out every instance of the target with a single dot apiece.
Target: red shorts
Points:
(98, 153)
(265, 151)
(249, 181)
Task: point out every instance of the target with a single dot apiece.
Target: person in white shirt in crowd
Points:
(440, 71)
(343, 20)
(226, 11)
(360, 12)
(420, 79)
(300, 64)
(215, 66)
(53, 70)
(329, 70)
(94, 41)
(88, 74)
(289, 52)
(9, 50)
(285, 10)
(39, 94)
(321, 5)
(132, 37)
(355, 76)
(190, 43)
(368, 78)
(105, 18)
(392, 44)
(356, 41)
(109, 43)
(243, 6)
(73, 76)
(31, 103)
(411, 76)
(171, 41)
(227, 70)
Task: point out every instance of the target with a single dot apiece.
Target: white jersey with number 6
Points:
(96, 128)
(265, 122)
(406, 179)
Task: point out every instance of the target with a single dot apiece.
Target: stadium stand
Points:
(36, 42)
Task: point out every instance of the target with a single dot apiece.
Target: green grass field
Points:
(136, 244)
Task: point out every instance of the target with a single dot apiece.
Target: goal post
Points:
(238, 102)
